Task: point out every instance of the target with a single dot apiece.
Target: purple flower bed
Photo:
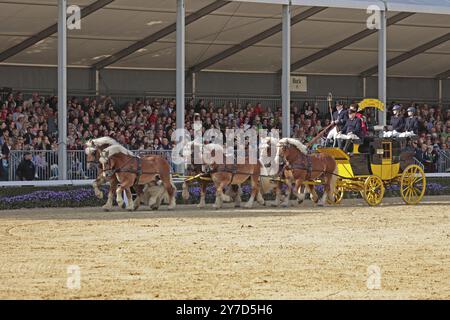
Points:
(81, 197)
(29, 197)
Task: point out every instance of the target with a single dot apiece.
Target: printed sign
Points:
(299, 84)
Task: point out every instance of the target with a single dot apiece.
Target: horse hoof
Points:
(154, 208)
(300, 201)
(106, 209)
(200, 206)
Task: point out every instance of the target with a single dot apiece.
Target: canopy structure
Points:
(331, 37)
(327, 37)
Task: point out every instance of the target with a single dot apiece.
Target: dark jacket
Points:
(341, 117)
(412, 124)
(398, 123)
(353, 126)
(26, 170)
(5, 150)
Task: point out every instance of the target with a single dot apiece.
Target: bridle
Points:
(95, 161)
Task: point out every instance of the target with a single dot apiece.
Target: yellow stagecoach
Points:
(375, 164)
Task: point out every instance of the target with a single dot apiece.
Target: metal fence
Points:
(443, 161)
(46, 164)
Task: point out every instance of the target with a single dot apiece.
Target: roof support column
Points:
(364, 87)
(286, 71)
(180, 82)
(194, 85)
(440, 93)
(382, 66)
(97, 82)
(180, 73)
(62, 89)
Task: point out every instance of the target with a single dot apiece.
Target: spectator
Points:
(26, 170)
(429, 158)
(30, 122)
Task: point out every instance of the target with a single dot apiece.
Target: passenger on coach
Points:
(411, 124)
(340, 117)
(350, 132)
(397, 123)
(364, 128)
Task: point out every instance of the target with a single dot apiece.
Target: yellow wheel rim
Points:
(338, 195)
(373, 190)
(413, 184)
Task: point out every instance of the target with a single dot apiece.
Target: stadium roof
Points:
(328, 36)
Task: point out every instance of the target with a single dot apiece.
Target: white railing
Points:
(78, 174)
(443, 161)
(46, 164)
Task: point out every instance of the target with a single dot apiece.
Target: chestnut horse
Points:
(194, 169)
(134, 171)
(193, 150)
(224, 175)
(301, 167)
(270, 167)
(94, 147)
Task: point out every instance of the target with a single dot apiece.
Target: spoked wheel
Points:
(373, 190)
(413, 184)
(338, 195)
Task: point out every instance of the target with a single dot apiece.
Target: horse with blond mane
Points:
(93, 150)
(224, 175)
(132, 171)
(270, 166)
(301, 167)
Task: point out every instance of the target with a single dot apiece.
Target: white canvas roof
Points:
(122, 24)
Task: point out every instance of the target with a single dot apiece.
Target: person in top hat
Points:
(339, 119)
(364, 129)
(351, 131)
(397, 123)
(411, 124)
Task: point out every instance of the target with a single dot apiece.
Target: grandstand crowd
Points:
(30, 123)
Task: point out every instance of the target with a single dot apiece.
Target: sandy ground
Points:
(296, 253)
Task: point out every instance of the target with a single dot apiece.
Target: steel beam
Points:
(411, 53)
(86, 11)
(253, 40)
(382, 69)
(286, 74)
(62, 89)
(346, 42)
(159, 35)
(444, 75)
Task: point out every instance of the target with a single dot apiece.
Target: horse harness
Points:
(308, 167)
(138, 172)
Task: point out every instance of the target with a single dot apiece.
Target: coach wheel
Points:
(373, 190)
(338, 195)
(413, 184)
